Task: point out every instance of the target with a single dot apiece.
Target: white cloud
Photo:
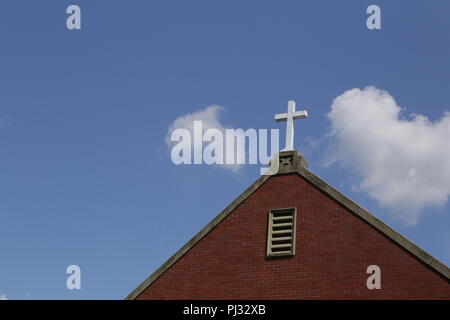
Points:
(404, 164)
(210, 118)
(3, 297)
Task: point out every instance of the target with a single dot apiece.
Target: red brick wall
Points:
(333, 250)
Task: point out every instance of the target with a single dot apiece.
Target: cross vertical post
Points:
(289, 117)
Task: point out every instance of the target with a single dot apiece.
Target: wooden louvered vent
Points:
(281, 232)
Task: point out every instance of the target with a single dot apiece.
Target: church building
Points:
(291, 235)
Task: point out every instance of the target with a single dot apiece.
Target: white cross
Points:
(290, 116)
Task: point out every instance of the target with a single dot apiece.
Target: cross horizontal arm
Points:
(300, 114)
(281, 117)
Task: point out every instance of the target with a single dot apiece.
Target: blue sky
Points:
(86, 176)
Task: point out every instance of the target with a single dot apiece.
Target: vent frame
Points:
(281, 215)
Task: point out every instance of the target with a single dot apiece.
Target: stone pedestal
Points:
(288, 162)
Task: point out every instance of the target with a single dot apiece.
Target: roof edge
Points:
(191, 243)
(395, 236)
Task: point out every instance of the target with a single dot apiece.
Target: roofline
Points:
(322, 185)
(379, 225)
(191, 243)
